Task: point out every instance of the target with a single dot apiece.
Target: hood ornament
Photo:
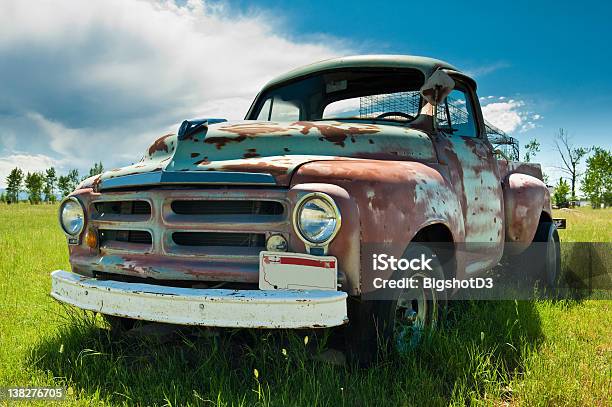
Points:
(189, 127)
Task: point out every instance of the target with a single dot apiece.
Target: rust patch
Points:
(96, 184)
(279, 171)
(454, 162)
(194, 155)
(159, 145)
(220, 142)
(336, 133)
(257, 167)
(255, 129)
(203, 161)
(251, 153)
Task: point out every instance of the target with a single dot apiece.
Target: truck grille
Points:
(102, 209)
(126, 236)
(219, 239)
(227, 207)
(221, 228)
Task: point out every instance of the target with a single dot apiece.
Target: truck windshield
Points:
(389, 94)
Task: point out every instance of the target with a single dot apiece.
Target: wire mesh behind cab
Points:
(409, 103)
(402, 102)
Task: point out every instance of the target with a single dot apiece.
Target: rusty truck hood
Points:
(237, 152)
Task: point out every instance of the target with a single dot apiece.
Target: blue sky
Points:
(98, 80)
(552, 55)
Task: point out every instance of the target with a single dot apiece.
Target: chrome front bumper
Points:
(207, 307)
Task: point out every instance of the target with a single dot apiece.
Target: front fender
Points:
(395, 200)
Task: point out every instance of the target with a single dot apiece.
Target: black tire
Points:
(379, 328)
(548, 256)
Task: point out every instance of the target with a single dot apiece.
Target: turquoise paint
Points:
(281, 146)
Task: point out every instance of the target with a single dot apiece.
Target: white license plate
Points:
(297, 271)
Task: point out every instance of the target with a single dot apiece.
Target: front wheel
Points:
(379, 327)
(119, 325)
(416, 313)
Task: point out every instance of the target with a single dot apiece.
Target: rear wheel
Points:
(378, 328)
(548, 254)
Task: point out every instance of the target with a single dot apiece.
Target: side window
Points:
(278, 110)
(283, 110)
(264, 113)
(456, 115)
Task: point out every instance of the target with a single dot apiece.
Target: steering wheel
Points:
(401, 114)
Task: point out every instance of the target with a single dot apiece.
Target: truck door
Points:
(464, 148)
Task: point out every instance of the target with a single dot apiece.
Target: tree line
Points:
(596, 180)
(43, 186)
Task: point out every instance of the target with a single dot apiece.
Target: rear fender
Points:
(525, 198)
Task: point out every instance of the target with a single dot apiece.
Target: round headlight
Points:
(317, 218)
(72, 216)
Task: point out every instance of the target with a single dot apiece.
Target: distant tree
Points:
(68, 183)
(570, 156)
(50, 181)
(597, 182)
(14, 183)
(73, 177)
(3, 197)
(560, 195)
(63, 185)
(98, 168)
(34, 183)
(531, 149)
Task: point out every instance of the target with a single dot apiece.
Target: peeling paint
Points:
(159, 145)
(390, 182)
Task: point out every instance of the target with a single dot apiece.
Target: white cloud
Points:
(101, 79)
(509, 115)
(503, 115)
(62, 140)
(27, 163)
(486, 69)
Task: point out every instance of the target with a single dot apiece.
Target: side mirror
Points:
(437, 87)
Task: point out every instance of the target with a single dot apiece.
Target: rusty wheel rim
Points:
(415, 315)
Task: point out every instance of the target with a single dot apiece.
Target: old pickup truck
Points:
(273, 222)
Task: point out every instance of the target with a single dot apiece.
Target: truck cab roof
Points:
(424, 64)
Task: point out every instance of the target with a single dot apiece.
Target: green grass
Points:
(489, 353)
(586, 224)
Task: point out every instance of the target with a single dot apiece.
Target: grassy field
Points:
(489, 353)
